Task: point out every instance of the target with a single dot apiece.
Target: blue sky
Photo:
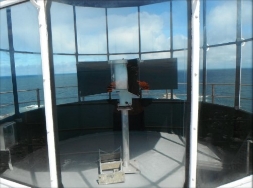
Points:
(123, 34)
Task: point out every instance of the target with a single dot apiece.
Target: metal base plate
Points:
(132, 168)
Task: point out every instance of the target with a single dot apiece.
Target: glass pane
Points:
(4, 44)
(155, 27)
(160, 55)
(247, 21)
(62, 21)
(123, 30)
(221, 75)
(92, 58)
(64, 64)
(65, 79)
(29, 81)
(23, 137)
(5, 66)
(221, 21)
(24, 156)
(91, 30)
(223, 147)
(25, 27)
(6, 95)
(28, 64)
(179, 24)
(124, 56)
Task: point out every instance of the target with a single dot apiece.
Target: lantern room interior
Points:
(118, 93)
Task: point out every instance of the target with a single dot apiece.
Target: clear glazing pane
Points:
(123, 30)
(91, 30)
(29, 81)
(155, 27)
(221, 21)
(247, 21)
(221, 75)
(156, 55)
(4, 44)
(65, 79)
(124, 56)
(25, 27)
(6, 96)
(92, 58)
(179, 11)
(62, 21)
(181, 92)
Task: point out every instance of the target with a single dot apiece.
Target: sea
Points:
(30, 90)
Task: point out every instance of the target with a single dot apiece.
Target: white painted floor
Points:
(160, 158)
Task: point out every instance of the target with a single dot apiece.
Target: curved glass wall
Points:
(22, 135)
(84, 39)
(98, 38)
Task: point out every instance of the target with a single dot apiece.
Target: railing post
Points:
(38, 97)
(248, 156)
(212, 93)
(79, 96)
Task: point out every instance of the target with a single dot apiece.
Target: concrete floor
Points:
(160, 158)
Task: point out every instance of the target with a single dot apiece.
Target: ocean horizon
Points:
(67, 89)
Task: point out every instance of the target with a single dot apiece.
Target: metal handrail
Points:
(37, 96)
(212, 95)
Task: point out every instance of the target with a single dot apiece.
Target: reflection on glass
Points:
(62, 22)
(221, 21)
(4, 44)
(25, 27)
(123, 30)
(91, 30)
(155, 27)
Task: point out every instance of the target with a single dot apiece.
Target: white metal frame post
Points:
(44, 44)
(125, 137)
(7, 3)
(194, 92)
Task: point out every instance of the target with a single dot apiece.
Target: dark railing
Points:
(36, 96)
(212, 94)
